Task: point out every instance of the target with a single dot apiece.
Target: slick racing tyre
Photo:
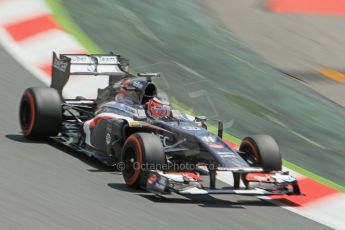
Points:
(40, 112)
(140, 150)
(262, 151)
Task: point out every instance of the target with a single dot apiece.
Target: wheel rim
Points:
(27, 113)
(132, 158)
(252, 155)
(130, 163)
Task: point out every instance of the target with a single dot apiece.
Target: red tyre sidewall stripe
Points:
(139, 152)
(29, 95)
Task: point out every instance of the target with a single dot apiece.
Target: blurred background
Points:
(262, 66)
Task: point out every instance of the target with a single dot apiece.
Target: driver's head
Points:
(159, 107)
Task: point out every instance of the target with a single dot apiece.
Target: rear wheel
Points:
(262, 151)
(40, 113)
(140, 149)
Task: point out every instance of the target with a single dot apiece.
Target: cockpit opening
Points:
(150, 92)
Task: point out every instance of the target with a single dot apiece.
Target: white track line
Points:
(327, 211)
(40, 47)
(13, 49)
(19, 10)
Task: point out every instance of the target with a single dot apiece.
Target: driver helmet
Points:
(159, 107)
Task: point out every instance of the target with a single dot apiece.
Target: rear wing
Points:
(65, 65)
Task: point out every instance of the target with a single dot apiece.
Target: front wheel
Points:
(141, 150)
(262, 151)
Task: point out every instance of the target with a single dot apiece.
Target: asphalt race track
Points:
(43, 186)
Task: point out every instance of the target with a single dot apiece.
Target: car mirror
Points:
(200, 119)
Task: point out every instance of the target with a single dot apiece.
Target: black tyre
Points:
(262, 151)
(140, 149)
(40, 112)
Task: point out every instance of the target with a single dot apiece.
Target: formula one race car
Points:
(131, 126)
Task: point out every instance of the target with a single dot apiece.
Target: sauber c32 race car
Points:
(157, 148)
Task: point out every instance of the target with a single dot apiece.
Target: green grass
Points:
(67, 22)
